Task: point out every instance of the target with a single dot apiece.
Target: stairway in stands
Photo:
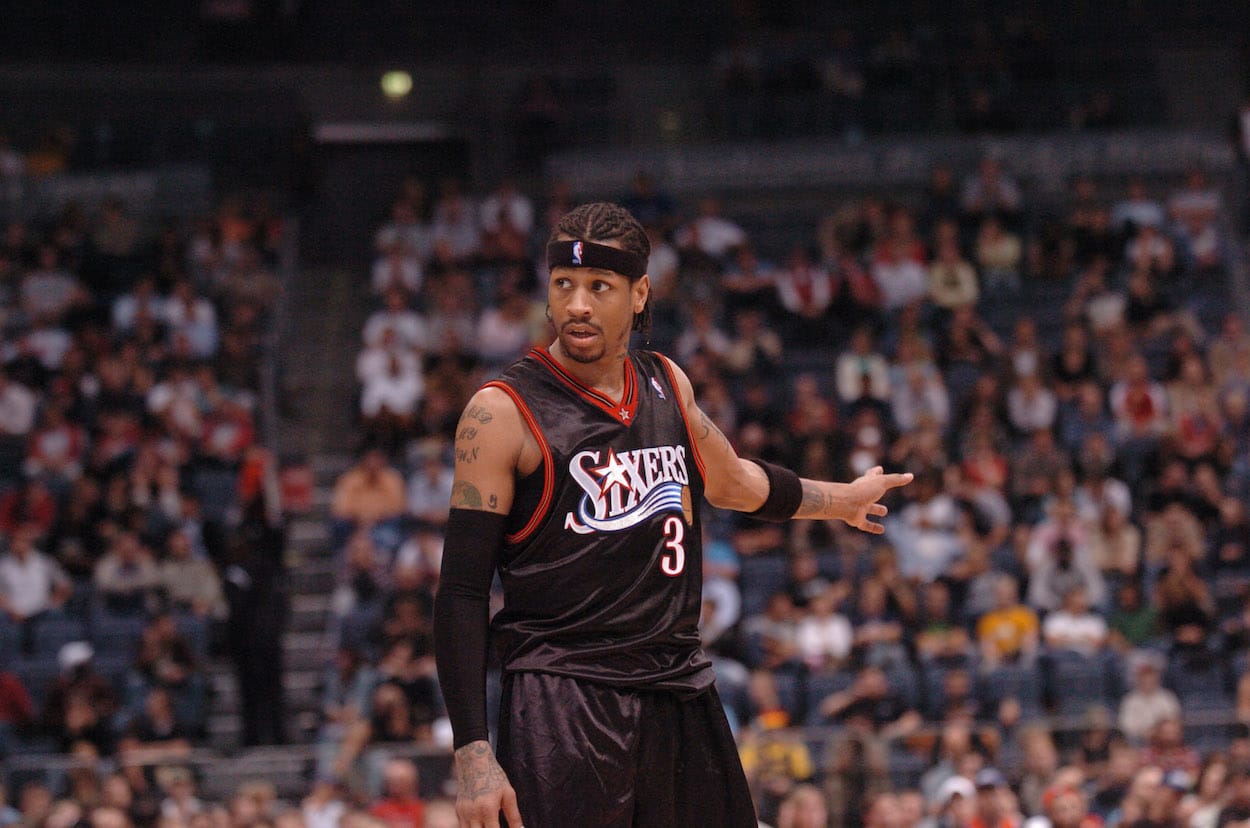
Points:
(320, 335)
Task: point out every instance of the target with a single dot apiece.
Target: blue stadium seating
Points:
(1023, 682)
(761, 576)
(1076, 683)
(116, 635)
(52, 631)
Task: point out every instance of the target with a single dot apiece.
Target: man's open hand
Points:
(865, 491)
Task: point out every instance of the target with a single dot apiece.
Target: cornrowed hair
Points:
(603, 221)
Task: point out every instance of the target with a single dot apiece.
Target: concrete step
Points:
(313, 576)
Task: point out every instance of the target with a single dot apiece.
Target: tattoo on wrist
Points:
(815, 500)
(477, 771)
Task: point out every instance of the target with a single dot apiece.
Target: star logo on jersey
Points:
(623, 414)
(612, 473)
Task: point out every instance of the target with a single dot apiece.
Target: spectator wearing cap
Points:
(955, 803)
(80, 704)
(1149, 702)
(1063, 807)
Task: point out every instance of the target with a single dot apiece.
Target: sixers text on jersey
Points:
(624, 489)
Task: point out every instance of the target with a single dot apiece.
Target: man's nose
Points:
(579, 303)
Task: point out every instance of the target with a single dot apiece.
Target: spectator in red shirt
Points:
(401, 805)
(16, 710)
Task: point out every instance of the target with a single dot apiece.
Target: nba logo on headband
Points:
(577, 253)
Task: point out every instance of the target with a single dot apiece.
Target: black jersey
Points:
(602, 562)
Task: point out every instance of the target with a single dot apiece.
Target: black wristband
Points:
(785, 493)
(462, 619)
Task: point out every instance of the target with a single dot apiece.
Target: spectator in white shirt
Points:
(1031, 406)
(711, 233)
(990, 191)
(862, 371)
(398, 317)
(142, 301)
(503, 332)
(429, 488)
(17, 407)
(49, 292)
(405, 231)
(31, 583)
(804, 288)
(193, 317)
(393, 394)
(1149, 702)
(397, 269)
(920, 396)
(456, 232)
(1074, 627)
(824, 637)
(1137, 210)
(508, 203)
(375, 360)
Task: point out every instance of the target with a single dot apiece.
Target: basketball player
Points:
(579, 476)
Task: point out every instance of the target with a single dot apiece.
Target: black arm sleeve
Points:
(462, 619)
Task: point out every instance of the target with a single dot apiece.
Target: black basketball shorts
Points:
(585, 755)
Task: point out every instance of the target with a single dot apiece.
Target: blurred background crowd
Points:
(238, 324)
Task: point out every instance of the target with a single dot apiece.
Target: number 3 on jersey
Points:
(674, 561)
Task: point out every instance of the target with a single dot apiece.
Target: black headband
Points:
(588, 254)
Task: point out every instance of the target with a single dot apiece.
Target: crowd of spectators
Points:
(131, 487)
(1054, 625)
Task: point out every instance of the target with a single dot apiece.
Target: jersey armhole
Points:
(681, 408)
(548, 467)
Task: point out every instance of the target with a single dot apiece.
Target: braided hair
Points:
(603, 221)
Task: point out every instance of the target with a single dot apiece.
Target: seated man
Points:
(126, 576)
(31, 583)
(1074, 627)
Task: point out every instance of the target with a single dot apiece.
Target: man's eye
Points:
(599, 287)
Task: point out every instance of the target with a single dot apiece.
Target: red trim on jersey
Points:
(549, 469)
(623, 411)
(681, 406)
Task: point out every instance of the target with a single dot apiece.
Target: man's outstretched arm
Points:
(733, 482)
(489, 438)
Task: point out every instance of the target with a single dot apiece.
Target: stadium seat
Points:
(52, 631)
(1076, 683)
(38, 675)
(760, 577)
(1021, 682)
(790, 693)
(198, 634)
(821, 686)
(10, 642)
(1201, 684)
(116, 635)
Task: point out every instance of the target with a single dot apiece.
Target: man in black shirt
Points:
(579, 478)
